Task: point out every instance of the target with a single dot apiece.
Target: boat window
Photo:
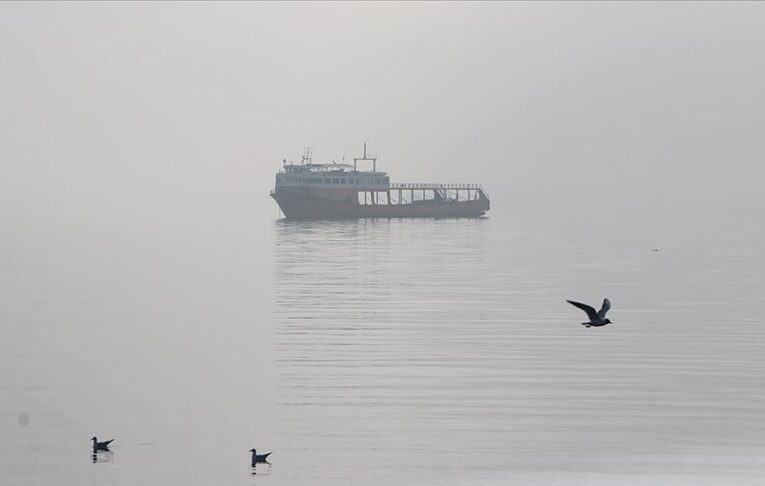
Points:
(377, 181)
(327, 181)
(342, 181)
(335, 181)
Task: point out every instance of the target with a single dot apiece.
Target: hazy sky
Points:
(129, 110)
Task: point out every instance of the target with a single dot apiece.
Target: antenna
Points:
(307, 154)
(373, 158)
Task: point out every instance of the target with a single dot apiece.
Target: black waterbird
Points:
(256, 458)
(101, 446)
(597, 318)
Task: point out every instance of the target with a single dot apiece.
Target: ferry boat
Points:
(317, 191)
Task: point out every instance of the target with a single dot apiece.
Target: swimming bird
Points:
(256, 458)
(101, 446)
(598, 318)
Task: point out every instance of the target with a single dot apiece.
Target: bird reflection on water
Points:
(262, 468)
(102, 457)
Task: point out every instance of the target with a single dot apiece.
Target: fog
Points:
(148, 295)
(124, 111)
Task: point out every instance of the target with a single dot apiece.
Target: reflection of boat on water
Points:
(314, 191)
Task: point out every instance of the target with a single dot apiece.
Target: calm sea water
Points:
(383, 352)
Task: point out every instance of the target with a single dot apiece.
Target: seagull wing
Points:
(603, 310)
(589, 310)
(106, 443)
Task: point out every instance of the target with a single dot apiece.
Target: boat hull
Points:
(302, 204)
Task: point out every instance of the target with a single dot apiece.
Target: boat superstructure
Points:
(311, 191)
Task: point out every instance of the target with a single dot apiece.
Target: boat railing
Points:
(432, 186)
(425, 185)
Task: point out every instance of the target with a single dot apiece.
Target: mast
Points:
(365, 158)
(307, 156)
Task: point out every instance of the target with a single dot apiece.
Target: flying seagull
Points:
(598, 318)
(101, 446)
(256, 458)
